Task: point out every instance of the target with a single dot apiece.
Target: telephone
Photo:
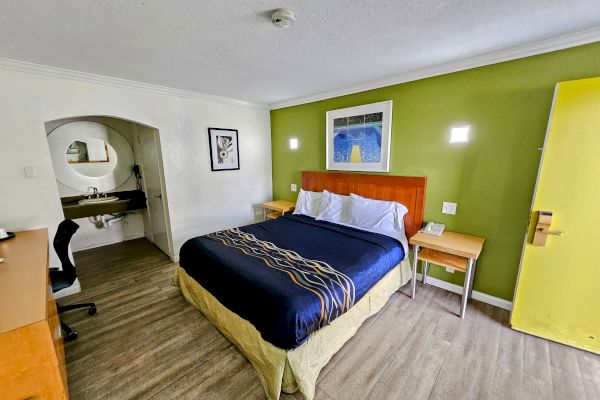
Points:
(434, 228)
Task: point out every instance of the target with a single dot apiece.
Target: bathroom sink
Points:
(98, 200)
(118, 202)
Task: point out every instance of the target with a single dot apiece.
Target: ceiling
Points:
(230, 48)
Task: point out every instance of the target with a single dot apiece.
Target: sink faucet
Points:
(95, 190)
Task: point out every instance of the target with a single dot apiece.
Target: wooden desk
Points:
(31, 347)
(279, 207)
(451, 250)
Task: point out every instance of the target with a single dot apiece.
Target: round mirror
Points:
(88, 154)
(92, 157)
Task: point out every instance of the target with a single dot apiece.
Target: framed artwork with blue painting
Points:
(358, 138)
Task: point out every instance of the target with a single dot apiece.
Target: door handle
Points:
(549, 232)
(542, 228)
(158, 196)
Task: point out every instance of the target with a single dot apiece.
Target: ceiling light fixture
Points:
(283, 18)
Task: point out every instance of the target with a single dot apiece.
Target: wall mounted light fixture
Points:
(293, 143)
(460, 134)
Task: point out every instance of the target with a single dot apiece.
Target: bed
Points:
(290, 292)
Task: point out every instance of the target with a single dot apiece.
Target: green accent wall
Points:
(491, 178)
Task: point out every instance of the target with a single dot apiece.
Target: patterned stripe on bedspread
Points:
(334, 289)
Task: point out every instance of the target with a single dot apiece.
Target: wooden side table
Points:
(451, 250)
(279, 207)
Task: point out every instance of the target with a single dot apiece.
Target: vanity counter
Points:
(131, 200)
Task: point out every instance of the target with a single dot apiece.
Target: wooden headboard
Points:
(408, 190)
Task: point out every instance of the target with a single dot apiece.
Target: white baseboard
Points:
(483, 297)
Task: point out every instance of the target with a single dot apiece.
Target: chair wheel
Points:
(71, 336)
(92, 310)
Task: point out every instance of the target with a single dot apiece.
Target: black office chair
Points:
(63, 279)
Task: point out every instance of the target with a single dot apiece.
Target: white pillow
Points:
(334, 208)
(308, 203)
(380, 215)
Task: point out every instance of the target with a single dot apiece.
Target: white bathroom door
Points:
(155, 193)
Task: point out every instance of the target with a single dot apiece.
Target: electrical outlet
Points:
(294, 187)
(448, 208)
(450, 270)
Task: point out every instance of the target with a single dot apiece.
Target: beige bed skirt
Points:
(291, 370)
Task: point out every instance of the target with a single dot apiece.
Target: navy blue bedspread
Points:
(284, 303)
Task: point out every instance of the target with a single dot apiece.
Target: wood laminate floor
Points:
(147, 342)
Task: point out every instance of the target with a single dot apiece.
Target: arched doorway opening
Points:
(106, 157)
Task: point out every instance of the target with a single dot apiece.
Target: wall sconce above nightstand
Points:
(460, 134)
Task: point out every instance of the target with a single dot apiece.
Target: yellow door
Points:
(558, 290)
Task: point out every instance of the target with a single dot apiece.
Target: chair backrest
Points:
(64, 233)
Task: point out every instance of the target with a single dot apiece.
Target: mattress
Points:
(290, 276)
(298, 369)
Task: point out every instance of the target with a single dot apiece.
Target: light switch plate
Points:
(31, 172)
(293, 187)
(450, 270)
(448, 208)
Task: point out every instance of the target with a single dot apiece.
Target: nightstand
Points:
(278, 208)
(450, 250)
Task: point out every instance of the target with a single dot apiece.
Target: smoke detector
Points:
(283, 18)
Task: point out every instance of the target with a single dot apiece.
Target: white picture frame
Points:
(359, 138)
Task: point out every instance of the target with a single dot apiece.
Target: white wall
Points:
(200, 201)
(89, 235)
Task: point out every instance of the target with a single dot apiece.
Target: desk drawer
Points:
(53, 322)
(29, 365)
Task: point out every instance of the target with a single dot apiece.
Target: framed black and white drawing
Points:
(358, 138)
(224, 149)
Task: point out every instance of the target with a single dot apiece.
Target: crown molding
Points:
(513, 53)
(46, 70)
